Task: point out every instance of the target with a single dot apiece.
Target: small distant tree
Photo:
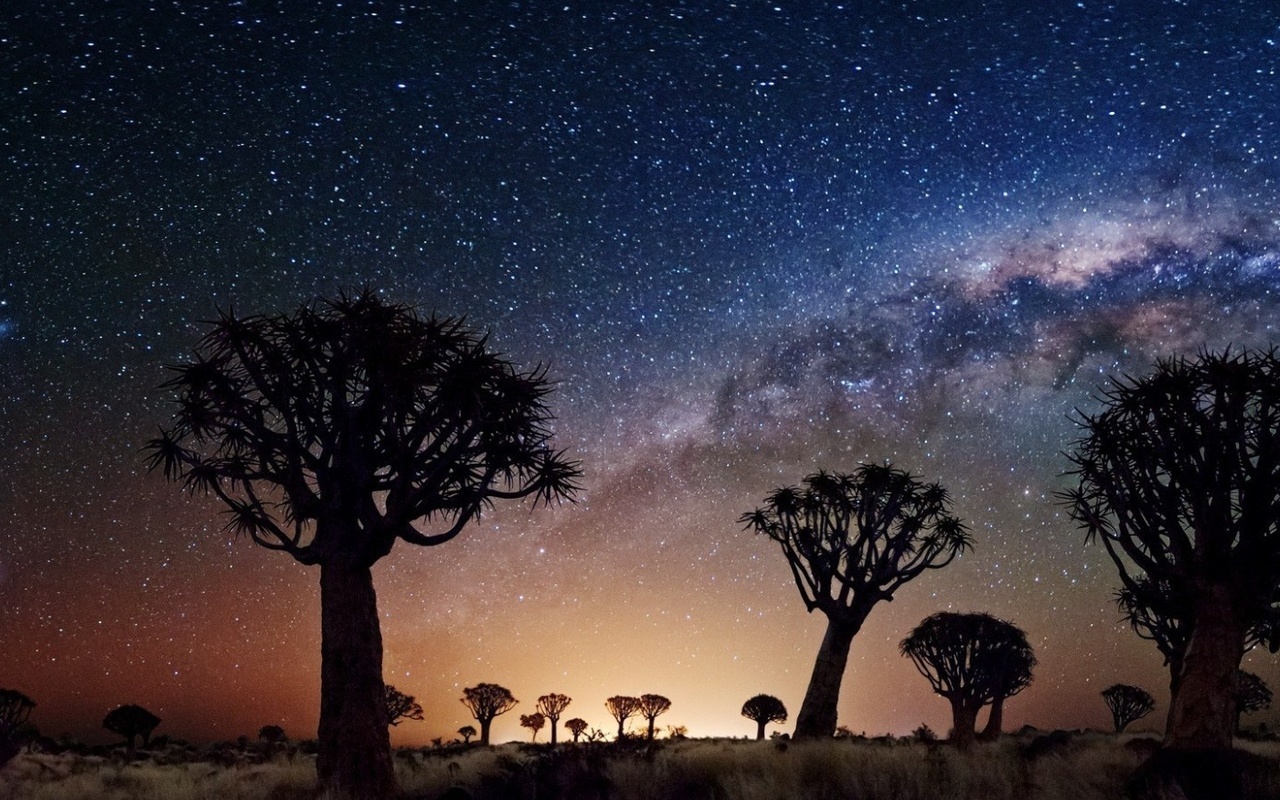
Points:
(1252, 694)
(677, 732)
(965, 658)
(651, 707)
(552, 706)
(131, 721)
(401, 706)
(1128, 704)
(271, 734)
(466, 732)
(533, 722)
(763, 709)
(1177, 477)
(577, 727)
(486, 701)
(622, 708)
(852, 540)
(15, 709)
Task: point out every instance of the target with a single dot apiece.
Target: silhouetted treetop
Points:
(294, 419)
(622, 708)
(552, 706)
(401, 706)
(486, 701)
(1127, 704)
(1253, 693)
(15, 709)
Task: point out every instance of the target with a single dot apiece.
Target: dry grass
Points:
(1089, 767)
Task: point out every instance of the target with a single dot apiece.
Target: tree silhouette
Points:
(1128, 704)
(763, 709)
(271, 734)
(1178, 477)
(651, 707)
(851, 541)
(131, 721)
(1252, 694)
(1012, 675)
(15, 710)
(533, 722)
(552, 706)
(486, 701)
(332, 433)
(401, 706)
(466, 732)
(576, 726)
(622, 708)
(966, 658)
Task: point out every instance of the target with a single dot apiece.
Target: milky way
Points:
(751, 240)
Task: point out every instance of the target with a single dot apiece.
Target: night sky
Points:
(750, 239)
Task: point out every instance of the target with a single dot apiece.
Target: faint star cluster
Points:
(750, 241)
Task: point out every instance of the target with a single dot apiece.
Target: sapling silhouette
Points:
(1178, 476)
(401, 706)
(651, 707)
(1128, 704)
(622, 708)
(763, 709)
(533, 722)
(486, 701)
(852, 541)
(577, 726)
(967, 659)
(131, 721)
(336, 431)
(552, 706)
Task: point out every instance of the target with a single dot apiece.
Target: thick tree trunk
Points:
(484, 730)
(995, 722)
(553, 731)
(621, 723)
(760, 729)
(651, 720)
(964, 718)
(817, 718)
(1204, 708)
(355, 751)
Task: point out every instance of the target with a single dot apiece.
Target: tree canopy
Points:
(486, 701)
(1127, 704)
(763, 709)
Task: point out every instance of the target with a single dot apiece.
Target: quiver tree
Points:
(1127, 703)
(533, 722)
(271, 734)
(15, 710)
(552, 706)
(622, 708)
(763, 709)
(1179, 477)
(852, 541)
(332, 433)
(401, 706)
(466, 732)
(131, 721)
(966, 658)
(1012, 674)
(486, 701)
(1252, 694)
(651, 707)
(577, 726)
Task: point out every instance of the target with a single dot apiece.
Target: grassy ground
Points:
(1089, 767)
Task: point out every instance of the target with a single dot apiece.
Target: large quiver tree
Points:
(852, 540)
(1179, 477)
(336, 431)
(552, 706)
(131, 721)
(486, 701)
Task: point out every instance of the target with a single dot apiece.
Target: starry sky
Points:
(750, 239)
